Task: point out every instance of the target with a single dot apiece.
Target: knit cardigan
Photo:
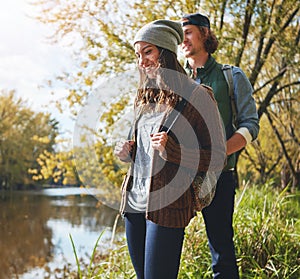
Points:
(189, 150)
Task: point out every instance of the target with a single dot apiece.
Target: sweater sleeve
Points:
(186, 157)
(210, 150)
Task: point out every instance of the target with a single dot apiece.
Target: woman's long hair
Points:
(166, 86)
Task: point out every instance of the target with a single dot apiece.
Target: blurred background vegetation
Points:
(261, 37)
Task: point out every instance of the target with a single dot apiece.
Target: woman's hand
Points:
(123, 148)
(159, 140)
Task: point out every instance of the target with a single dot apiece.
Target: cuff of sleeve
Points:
(245, 133)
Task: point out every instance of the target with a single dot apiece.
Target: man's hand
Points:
(235, 143)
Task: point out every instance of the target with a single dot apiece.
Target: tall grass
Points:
(268, 234)
(267, 238)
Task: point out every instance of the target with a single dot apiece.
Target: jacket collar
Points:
(209, 65)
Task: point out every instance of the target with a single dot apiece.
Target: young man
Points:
(198, 45)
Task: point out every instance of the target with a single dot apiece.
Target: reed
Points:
(90, 268)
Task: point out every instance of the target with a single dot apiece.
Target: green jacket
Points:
(212, 75)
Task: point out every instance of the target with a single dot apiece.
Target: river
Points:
(35, 230)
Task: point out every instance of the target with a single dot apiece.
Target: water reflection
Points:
(35, 228)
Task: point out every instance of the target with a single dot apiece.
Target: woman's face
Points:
(147, 55)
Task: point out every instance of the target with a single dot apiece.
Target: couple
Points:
(181, 129)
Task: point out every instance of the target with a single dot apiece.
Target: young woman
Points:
(171, 143)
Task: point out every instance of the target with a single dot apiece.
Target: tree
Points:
(260, 36)
(57, 168)
(24, 134)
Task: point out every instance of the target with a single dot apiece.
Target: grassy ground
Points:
(267, 238)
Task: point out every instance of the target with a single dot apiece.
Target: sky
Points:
(27, 60)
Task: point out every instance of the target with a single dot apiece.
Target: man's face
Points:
(192, 44)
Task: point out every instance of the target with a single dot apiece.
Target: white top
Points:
(148, 124)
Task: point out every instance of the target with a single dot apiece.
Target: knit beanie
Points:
(163, 33)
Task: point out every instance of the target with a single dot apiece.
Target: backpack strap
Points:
(227, 70)
(172, 118)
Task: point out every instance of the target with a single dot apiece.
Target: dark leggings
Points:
(154, 250)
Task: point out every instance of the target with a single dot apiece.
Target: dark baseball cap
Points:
(196, 19)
